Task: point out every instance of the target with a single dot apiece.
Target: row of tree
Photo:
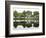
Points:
(27, 14)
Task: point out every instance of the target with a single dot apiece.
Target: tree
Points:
(24, 13)
(28, 14)
(15, 15)
(36, 13)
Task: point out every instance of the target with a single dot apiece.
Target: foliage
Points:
(23, 15)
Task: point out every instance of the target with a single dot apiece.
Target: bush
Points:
(15, 25)
(36, 24)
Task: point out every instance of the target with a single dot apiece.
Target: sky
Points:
(21, 8)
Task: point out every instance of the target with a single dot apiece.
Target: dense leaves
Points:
(26, 15)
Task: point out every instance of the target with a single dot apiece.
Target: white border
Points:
(25, 30)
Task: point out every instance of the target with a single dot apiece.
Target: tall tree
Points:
(15, 14)
(24, 14)
(28, 14)
(36, 15)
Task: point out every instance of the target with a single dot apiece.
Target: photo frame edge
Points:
(7, 22)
